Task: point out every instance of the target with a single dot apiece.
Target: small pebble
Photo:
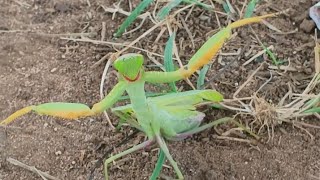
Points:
(307, 26)
(204, 18)
(73, 162)
(145, 154)
(300, 17)
(54, 70)
(58, 153)
(45, 124)
(206, 139)
(21, 53)
(55, 129)
(63, 56)
(98, 56)
(308, 71)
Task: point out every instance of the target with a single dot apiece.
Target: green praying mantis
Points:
(172, 117)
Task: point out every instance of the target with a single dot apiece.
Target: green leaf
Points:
(313, 110)
(158, 167)
(202, 75)
(274, 59)
(217, 106)
(226, 7)
(168, 61)
(133, 16)
(313, 102)
(250, 8)
(203, 5)
(166, 9)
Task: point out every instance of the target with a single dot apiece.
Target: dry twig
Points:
(33, 169)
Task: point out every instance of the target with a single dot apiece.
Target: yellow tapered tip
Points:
(17, 114)
(251, 20)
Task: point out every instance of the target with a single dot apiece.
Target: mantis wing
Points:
(175, 111)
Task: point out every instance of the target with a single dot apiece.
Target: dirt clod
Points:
(307, 26)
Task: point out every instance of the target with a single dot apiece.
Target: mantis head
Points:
(129, 66)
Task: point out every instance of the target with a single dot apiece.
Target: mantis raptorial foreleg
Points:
(204, 55)
(71, 110)
(128, 151)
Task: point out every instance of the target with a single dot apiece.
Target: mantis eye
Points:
(129, 65)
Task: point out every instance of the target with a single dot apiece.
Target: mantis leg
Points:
(63, 110)
(204, 55)
(184, 135)
(71, 110)
(165, 150)
(128, 151)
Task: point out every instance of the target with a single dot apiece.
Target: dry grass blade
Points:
(103, 78)
(103, 31)
(258, 55)
(42, 174)
(317, 54)
(142, 36)
(250, 8)
(114, 44)
(123, 12)
(272, 27)
(235, 139)
(196, 2)
(187, 30)
(247, 81)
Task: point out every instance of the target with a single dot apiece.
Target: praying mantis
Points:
(171, 117)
